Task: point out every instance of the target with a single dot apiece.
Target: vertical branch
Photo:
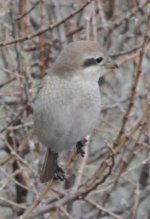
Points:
(134, 86)
(41, 38)
(23, 23)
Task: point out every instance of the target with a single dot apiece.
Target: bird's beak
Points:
(110, 65)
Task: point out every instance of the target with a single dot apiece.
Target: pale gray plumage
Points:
(68, 104)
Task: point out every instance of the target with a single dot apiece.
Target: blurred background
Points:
(112, 180)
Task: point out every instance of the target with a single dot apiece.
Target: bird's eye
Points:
(99, 59)
(92, 61)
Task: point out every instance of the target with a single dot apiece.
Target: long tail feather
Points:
(49, 166)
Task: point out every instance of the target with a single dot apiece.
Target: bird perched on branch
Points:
(67, 106)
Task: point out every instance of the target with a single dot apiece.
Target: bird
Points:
(68, 103)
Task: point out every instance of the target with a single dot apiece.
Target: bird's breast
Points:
(66, 111)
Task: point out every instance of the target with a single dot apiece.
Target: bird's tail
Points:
(49, 166)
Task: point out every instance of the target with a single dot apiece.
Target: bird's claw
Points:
(59, 174)
(79, 147)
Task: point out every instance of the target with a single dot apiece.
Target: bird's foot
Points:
(59, 174)
(79, 147)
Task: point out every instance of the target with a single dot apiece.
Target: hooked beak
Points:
(110, 65)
